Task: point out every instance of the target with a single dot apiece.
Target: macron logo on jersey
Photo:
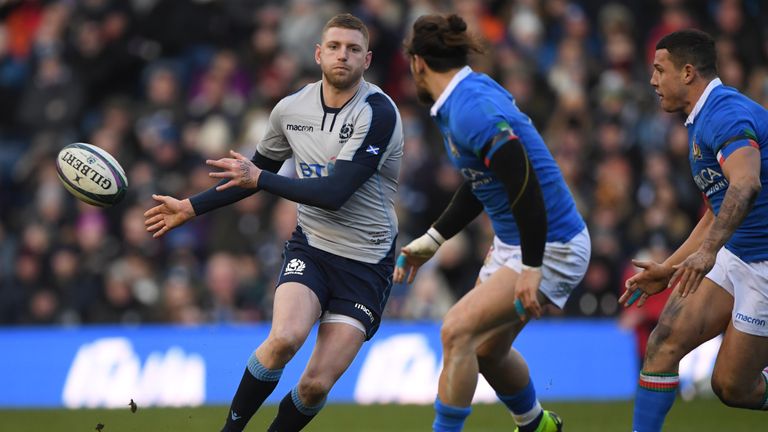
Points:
(750, 320)
(372, 150)
(298, 128)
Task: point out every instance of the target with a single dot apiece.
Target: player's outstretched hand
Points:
(526, 288)
(238, 169)
(692, 271)
(166, 216)
(414, 255)
(653, 279)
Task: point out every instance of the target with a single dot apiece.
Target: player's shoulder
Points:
(728, 100)
(378, 104)
(300, 96)
(374, 95)
(479, 94)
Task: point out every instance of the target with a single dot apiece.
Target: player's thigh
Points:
(741, 359)
(336, 348)
(686, 323)
(488, 305)
(295, 310)
(744, 351)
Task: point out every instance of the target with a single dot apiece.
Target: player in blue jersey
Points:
(720, 273)
(345, 137)
(541, 248)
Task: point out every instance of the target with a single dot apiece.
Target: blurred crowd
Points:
(165, 84)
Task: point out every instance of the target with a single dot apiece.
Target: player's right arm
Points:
(171, 212)
(463, 209)
(656, 277)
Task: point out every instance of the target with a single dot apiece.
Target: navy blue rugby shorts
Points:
(344, 286)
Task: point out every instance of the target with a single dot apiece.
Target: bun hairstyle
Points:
(442, 41)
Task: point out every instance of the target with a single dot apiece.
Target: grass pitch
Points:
(699, 416)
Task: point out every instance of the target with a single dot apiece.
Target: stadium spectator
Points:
(138, 107)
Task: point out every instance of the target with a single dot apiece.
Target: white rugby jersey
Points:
(366, 130)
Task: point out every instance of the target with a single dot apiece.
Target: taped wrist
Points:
(427, 244)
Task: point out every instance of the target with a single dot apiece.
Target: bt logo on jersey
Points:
(310, 170)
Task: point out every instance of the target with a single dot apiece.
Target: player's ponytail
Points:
(443, 42)
(456, 23)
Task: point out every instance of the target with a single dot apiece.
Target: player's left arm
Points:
(510, 163)
(740, 160)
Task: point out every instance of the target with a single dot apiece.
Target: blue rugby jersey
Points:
(475, 112)
(723, 121)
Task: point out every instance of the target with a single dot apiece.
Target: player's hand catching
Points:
(653, 279)
(693, 269)
(525, 293)
(238, 169)
(415, 254)
(166, 216)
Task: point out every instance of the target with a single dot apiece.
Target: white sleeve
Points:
(275, 145)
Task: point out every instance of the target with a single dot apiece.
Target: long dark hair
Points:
(442, 41)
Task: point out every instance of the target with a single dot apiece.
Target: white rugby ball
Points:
(91, 174)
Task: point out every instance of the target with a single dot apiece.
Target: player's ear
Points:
(368, 57)
(688, 73)
(317, 53)
(417, 64)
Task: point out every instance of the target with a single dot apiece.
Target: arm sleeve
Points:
(330, 192)
(509, 162)
(212, 199)
(463, 209)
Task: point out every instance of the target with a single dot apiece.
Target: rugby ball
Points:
(91, 174)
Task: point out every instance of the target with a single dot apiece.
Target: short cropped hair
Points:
(348, 21)
(442, 41)
(691, 46)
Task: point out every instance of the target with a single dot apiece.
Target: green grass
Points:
(699, 416)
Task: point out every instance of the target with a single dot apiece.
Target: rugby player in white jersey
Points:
(345, 136)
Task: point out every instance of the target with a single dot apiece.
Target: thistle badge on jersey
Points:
(346, 132)
(295, 266)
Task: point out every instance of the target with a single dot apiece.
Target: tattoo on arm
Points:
(736, 204)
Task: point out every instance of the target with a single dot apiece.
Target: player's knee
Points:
(284, 345)
(730, 392)
(314, 389)
(454, 334)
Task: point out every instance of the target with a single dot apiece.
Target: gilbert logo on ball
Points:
(91, 174)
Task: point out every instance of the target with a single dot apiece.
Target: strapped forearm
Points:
(212, 199)
(463, 209)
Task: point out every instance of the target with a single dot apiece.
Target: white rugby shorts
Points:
(563, 267)
(748, 284)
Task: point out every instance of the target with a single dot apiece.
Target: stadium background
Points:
(165, 84)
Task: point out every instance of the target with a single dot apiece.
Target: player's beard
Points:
(343, 82)
(424, 96)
